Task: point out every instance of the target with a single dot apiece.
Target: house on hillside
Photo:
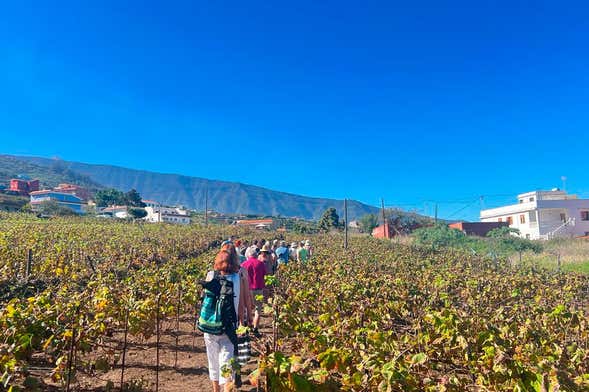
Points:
(73, 189)
(22, 187)
(67, 200)
(480, 229)
(354, 226)
(256, 223)
(156, 213)
(151, 203)
(544, 215)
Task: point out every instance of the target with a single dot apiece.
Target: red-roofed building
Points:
(23, 187)
(72, 189)
(257, 223)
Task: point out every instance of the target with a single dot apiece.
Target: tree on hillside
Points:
(368, 222)
(302, 227)
(405, 223)
(137, 212)
(107, 197)
(329, 220)
(133, 198)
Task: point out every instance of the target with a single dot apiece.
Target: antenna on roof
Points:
(564, 183)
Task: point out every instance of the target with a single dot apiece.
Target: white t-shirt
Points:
(236, 289)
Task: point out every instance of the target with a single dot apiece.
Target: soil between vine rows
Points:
(191, 373)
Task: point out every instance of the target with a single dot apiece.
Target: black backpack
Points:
(217, 312)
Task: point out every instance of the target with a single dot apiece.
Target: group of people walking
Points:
(243, 266)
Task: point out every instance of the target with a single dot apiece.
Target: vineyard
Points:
(374, 317)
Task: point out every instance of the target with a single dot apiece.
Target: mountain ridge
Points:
(223, 196)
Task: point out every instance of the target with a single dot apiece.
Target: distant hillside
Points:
(50, 175)
(226, 197)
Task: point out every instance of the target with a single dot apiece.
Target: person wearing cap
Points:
(282, 253)
(256, 270)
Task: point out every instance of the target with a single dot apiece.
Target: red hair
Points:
(232, 259)
(223, 262)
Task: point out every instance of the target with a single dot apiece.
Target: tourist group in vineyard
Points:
(234, 294)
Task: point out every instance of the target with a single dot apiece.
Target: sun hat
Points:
(265, 248)
(308, 243)
(294, 245)
(283, 243)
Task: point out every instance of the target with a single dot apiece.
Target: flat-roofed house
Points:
(544, 215)
(68, 200)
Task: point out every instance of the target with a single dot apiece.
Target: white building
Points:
(156, 213)
(544, 215)
(121, 212)
(151, 203)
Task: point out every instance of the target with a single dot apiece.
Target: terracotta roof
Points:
(255, 221)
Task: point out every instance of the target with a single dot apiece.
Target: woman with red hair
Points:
(220, 348)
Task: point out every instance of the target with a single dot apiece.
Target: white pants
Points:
(219, 352)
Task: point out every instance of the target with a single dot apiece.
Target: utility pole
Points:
(207, 206)
(385, 230)
(436, 215)
(346, 223)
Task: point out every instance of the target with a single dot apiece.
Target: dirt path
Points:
(189, 374)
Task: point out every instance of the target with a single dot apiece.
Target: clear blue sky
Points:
(415, 102)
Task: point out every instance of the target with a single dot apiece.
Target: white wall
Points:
(549, 217)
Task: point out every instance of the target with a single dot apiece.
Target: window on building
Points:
(522, 218)
(585, 215)
(587, 234)
(521, 201)
(510, 220)
(563, 217)
(531, 199)
(532, 216)
(528, 236)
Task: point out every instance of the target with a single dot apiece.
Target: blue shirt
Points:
(282, 254)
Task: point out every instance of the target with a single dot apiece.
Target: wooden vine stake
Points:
(157, 343)
(124, 348)
(194, 327)
(71, 359)
(177, 325)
